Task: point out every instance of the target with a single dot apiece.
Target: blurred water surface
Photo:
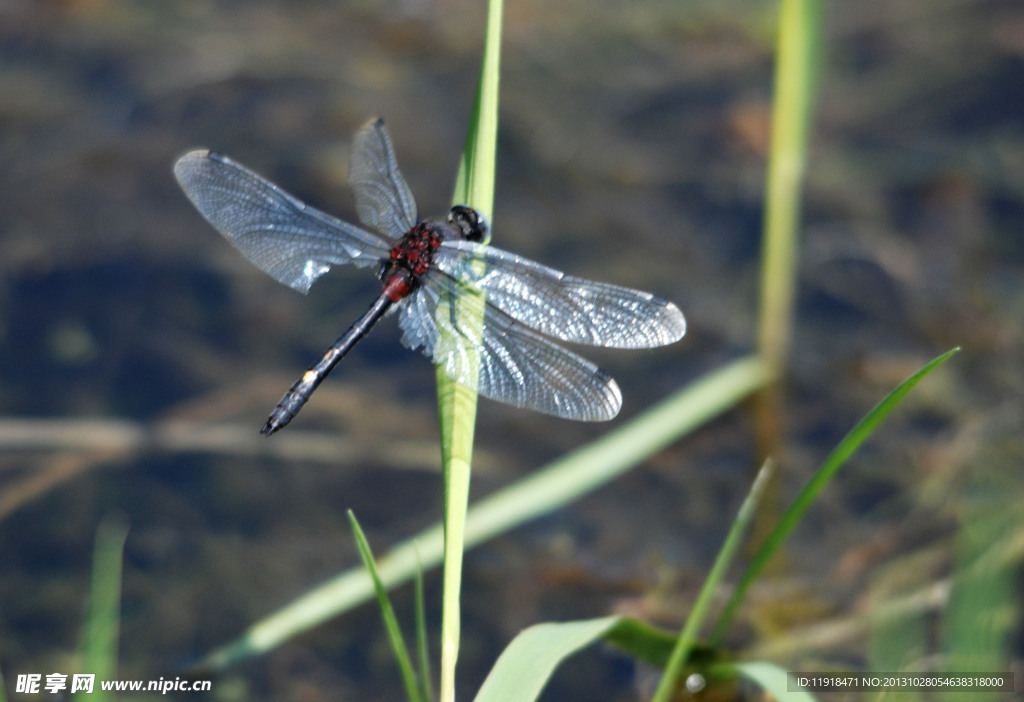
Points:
(631, 149)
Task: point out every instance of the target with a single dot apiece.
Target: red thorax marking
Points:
(413, 253)
(416, 248)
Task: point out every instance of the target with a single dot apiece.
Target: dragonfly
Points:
(493, 320)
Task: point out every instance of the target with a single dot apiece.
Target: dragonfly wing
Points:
(560, 306)
(514, 365)
(277, 232)
(383, 198)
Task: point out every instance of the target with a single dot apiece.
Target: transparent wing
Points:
(280, 234)
(516, 366)
(383, 198)
(560, 306)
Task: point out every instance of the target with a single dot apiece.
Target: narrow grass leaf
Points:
(791, 111)
(103, 622)
(688, 637)
(792, 102)
(835, 460)
(422, 647)
(456, 403)
(387, 613)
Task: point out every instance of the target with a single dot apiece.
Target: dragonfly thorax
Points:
(412, 256)
(414, 252)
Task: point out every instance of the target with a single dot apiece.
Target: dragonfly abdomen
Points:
(303, 388)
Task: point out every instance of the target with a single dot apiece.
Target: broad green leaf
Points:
(523, 669)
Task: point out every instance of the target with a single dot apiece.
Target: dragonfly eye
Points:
(473, 224)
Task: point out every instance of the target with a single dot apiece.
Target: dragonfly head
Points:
(473, 224)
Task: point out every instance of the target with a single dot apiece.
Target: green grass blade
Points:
(688, 637)
(456, 403)
(525, 666)
(103, 623)
(422, 647)
(474, 185)
(850, 443)
(387, 613)
(545, 490)
(791, 110)
(456, 478)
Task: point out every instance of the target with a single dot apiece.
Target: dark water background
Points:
(631, 149)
